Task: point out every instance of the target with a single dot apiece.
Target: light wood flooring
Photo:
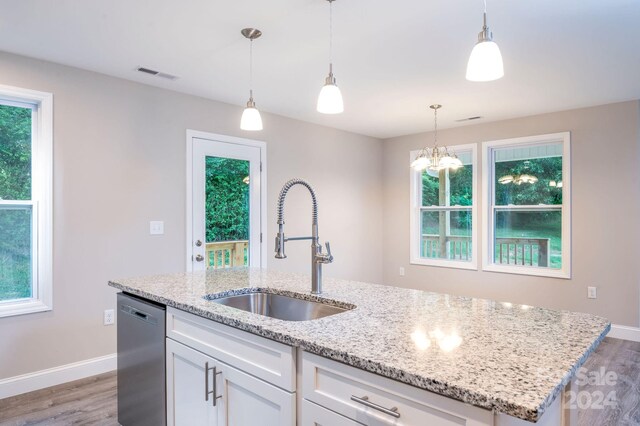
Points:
(92, 401)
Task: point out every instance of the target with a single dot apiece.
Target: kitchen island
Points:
(507, 358)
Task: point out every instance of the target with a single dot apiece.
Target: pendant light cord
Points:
(435, 119)
(251, 69)
(331, 34)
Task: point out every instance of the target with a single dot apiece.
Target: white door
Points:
(190, 386)
(249, 401)
(226, 203)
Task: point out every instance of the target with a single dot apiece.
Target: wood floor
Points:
(92, 401)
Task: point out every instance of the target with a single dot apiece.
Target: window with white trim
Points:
(443, 213)
(25, 201)
(526, 193)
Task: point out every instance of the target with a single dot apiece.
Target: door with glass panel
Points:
(226, 204)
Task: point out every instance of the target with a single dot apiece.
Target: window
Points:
(25, 201)
(526, 192)
(443, 227)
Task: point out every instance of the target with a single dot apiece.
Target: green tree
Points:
(227, 199)
(15, 184)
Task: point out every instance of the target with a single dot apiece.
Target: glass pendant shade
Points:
(330, 98)
(421, 162)
(485, 62)
(251, 119)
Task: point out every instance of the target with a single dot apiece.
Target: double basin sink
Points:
(281, 307)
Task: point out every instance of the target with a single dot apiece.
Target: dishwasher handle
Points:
(137, 313)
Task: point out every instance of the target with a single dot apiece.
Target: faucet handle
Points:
(327, 258)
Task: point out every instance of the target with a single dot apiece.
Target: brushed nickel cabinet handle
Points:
(365, 401)
(214, 391)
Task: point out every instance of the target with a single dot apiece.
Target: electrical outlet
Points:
(156, 227)
(109, 317)
(401, 271)
(592, 292)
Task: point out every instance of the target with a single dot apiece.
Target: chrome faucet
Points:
(317, 256)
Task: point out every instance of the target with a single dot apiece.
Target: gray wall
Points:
(119, 162)
(605, 145)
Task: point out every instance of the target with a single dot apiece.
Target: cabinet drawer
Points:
(315, 415)
(268, 360)
(332, 385)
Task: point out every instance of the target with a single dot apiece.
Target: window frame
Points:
(415, 209)
(488, 197)
(41, 200)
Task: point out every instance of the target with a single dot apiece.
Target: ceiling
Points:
(392, 58)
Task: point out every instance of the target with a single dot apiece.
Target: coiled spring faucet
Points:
(317, 256)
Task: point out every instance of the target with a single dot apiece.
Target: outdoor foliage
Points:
(227, 199)
(461, 194)
(15, 184)
(545, 169)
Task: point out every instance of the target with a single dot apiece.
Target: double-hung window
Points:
(25, 201)
(526, 194)
(443, 213)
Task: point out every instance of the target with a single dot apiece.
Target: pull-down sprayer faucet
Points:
(317, 256)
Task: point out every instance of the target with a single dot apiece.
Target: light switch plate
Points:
(156, 227)
(592, 292)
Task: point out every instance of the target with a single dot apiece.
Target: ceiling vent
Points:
(477, 117)
(157, 73)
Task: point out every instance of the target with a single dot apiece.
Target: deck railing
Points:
(509, 251)
(226, 254)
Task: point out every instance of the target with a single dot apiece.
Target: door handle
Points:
(199, 258)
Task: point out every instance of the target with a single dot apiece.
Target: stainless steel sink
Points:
(280, 307)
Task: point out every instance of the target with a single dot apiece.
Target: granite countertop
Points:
(512, 358)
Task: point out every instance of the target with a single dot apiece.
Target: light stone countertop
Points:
(514, 358)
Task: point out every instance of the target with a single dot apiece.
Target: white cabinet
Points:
(216, 376)
(189, 402)
(376, 401)
(248, 401)
(315, 415)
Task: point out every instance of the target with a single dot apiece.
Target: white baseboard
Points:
(625, 332)
(55, 376)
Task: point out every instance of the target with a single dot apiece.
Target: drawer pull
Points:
(365, 401)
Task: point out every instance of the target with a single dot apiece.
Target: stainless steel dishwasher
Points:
(141, 362)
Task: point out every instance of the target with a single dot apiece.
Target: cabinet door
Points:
(189, 383)
(248, 401)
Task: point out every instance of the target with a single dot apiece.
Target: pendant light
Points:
(485, 62)
(251, 119)
(330, 98)
(436, 158)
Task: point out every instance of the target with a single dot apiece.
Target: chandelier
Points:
(520, 178)
(438, 157)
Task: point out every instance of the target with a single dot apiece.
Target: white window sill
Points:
(20, 307)
(528, 270)
(442, 263)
